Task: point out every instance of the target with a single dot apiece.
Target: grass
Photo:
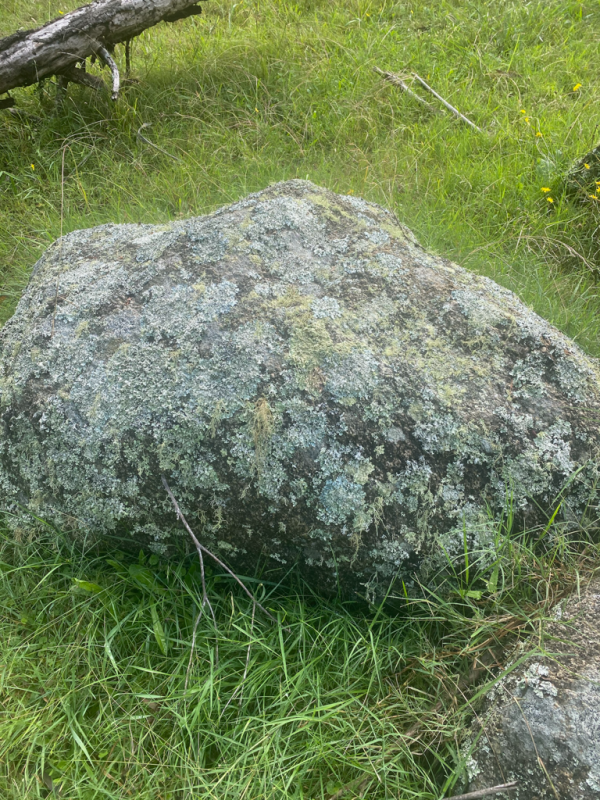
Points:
(251, 93)
(96, 649)
(104, 696)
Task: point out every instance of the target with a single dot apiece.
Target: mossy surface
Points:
(318, 390)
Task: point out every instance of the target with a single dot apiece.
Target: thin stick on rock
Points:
(112, 64)
(503, 787)
(455, 111)
(391, 77)
(202, 549)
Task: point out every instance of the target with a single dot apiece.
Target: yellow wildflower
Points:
(539, 133)
(577, 87)
(545, 188)
(549, 199)
(32, 166)
(523, 111)
(587, 166)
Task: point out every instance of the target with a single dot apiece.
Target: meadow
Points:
(105, 692)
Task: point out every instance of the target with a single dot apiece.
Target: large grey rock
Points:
(316, 387)
(541, 725)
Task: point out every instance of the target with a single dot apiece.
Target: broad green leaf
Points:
(117, 566)
(142, 575)
(159, 632)
(87, 586)
(492, 583)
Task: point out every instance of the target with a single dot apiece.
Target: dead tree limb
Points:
(451, 108)
(55, 48)
(112, 65)
(79, 75)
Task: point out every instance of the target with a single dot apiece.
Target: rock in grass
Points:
(540, 726)
(318, 390)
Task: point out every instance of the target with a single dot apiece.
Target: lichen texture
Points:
(320, 392)
(540, 725)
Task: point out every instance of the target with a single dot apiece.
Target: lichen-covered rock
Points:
(317, 389)
(541, 725)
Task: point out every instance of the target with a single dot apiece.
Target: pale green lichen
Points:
(317, 388)
(538, 725)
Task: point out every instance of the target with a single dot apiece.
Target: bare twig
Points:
(142, 138)
(455, 111)
(193, 647)
(391, 77)
(112, 64)
(202, 549)
(503, 787)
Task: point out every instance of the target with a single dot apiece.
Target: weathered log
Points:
(28, 56)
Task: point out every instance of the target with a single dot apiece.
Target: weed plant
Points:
(104, 692)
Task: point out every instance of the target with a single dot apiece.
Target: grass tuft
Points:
(102, 694)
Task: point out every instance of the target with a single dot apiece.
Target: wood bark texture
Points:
(28, 56)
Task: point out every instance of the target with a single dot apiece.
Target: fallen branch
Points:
(28, 56)
(112, 65)
(391, 77)
(79, 75)
(504, 787)
(455, 111)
